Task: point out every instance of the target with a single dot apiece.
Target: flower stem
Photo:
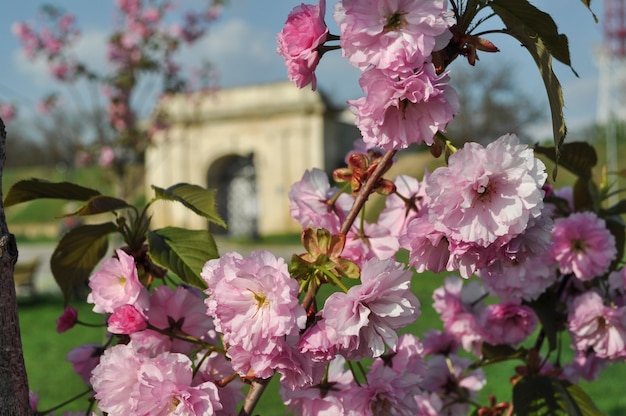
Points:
(366, 190)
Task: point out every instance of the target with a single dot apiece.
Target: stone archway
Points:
(234, 177)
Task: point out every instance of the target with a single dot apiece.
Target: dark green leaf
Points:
(31, 189)
(196, 198)
(78, 252)
(540, 53)
(492, 354)
(544, 308)
(577, 157)
(182, 251)
(521, 17)
(542, 395)
(585, 195)
(588, 4)
(100, 204)
(617, 209)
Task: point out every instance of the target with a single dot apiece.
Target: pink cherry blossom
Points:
(515, 281)
(215, 367)
(165, 388)
(67, 320)
(370, 313)
(7, 112)
(397, 112)
(428, 248)
(300, 40)
(180, 311)
(396, 35)
(126, 320)
(116, 284)
(487, 194)
(507, 323)
(447, 375)
(372, 241)
(459, 306)
(320, 400)
(313, 202)
(84, 359)
(256, 301)
(116, 378)
(583, 245)
(598, 327)
(408, 202)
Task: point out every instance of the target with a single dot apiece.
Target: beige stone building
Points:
(251, 144)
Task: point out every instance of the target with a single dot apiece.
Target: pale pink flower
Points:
(67, 320)
(180, 312)
(319, 342)
(299, 42)
(165, 388)
(516, 281)
(582, 245)
(392, 382)
(598, 327)
(397, 112)
(215, 367)
(408, 202)
(84, 359)
(372, 241)
(116, 378)
(439, 342)
(370, 313)
(279, 355)
(586, 365)
(440, 380)
(487, 194)
(507, 323)
(7, 112)
(107, 156)
(313, 203)
(116, 284)
(33, 400)
(255, 301)
(459, 306)
(126, 320)
(428, 248)
(320, 400)
(396, 35)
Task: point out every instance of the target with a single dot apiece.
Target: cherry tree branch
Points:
(13, 380)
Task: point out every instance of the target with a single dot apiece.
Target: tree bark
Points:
(13, 380)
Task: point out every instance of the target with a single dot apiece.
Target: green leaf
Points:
(100, 204)
(577, 157)
(521, 15)
(544, 307)
(182, 251)
(542, 55)
(588, 4)
(542, 395)
(76, 255)
(196, 198)
(31, 189)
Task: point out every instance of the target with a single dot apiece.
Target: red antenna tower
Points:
(614, 27)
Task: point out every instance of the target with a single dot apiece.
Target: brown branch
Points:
(366, 190)
(13, 380)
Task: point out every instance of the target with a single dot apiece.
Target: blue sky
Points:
(242, 47)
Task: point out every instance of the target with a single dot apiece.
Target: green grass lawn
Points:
(49, 374)
(53, 378)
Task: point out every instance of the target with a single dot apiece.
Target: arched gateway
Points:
(250, 143)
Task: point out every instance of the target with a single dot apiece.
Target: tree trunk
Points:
(13, 381)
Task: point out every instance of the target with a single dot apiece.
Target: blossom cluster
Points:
(488, 214)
